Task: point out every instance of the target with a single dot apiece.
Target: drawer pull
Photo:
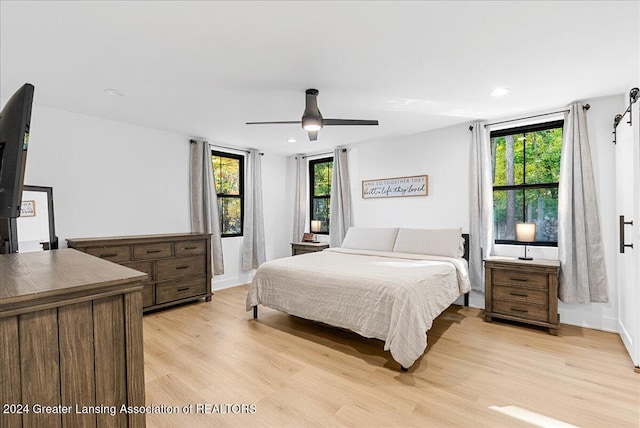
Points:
(183, 289)
(519, 279)
(190, 248)
(519, 310)
(153, 251)
(104, 256)
(182, 267)
(519, 294)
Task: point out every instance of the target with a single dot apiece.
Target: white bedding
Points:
(385, 295)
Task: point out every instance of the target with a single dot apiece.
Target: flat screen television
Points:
(15, 119)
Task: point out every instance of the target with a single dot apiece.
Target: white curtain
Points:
(340, 208)
(580, 250)
(253, 249)
(204, 202)
(481, 238)
(300, 203)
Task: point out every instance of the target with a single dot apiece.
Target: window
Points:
(228, 176)
(526, 171)
(320, 173)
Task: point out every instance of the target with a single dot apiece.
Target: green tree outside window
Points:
(320, 174)
(228, 175)
(526, 172)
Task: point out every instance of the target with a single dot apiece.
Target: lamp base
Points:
(525, 258)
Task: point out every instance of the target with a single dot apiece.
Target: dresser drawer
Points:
(190, 248)
(176, 290)
(528, 279)
(152, 251)
(116, 254)
(180, 266)
(147, 295)
(521, 310)
(520, 294)
(146, 267)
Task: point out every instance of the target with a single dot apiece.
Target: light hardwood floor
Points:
(299, 373)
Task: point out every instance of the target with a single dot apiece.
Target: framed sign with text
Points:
(416, 185)
(28, 209)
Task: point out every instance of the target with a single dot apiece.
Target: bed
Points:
(383, 283)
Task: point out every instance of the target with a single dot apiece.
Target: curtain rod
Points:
(224, 147)
(585, 107)
(320, 154)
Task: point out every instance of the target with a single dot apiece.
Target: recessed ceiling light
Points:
(115, 92)
(291, 140)
(500, 92)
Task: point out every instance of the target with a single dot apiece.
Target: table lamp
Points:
(316, 226)
(525, 232)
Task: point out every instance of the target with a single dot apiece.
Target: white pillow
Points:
(370, 238)
(434, 242)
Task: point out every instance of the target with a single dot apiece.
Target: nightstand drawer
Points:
(521, 294)
(298, 248)
(514, 277)
(521, 310)
(522, 290)
(176, 290)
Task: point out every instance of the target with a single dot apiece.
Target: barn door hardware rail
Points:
(622, 225)
(634, 95)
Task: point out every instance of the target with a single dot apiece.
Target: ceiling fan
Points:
(312, 120)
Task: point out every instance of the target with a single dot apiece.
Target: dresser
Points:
(522, 290)
(298, 248)
(70, 338)
(178, 266)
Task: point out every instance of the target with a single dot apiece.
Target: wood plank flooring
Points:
(296, 373)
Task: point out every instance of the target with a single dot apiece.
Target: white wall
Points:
(444, 155)
(34, 229)
(113, 179)
(108, 178)
(441, 154)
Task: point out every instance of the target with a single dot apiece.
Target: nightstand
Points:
(522, 290)
(307, 247)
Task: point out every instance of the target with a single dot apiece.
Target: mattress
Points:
(389, 296)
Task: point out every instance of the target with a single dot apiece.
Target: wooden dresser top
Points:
(55, 274)
(138, 239)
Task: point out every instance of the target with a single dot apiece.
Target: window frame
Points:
(312, 163)
(241, 159)
(540, 126)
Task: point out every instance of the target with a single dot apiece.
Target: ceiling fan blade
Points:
(326, 122)
(313, 135)
(274, 123)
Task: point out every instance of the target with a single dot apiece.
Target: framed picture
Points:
(28, 209)
(416, 185)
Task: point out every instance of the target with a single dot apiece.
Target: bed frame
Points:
(466, 296)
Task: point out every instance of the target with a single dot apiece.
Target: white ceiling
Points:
(205, 68)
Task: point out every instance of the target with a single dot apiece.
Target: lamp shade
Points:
(526, 232)
(316, 225)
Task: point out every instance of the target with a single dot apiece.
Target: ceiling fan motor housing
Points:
(312, 118)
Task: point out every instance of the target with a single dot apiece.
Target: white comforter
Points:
(389, 296)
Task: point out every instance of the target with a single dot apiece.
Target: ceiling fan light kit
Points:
(312, 120)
